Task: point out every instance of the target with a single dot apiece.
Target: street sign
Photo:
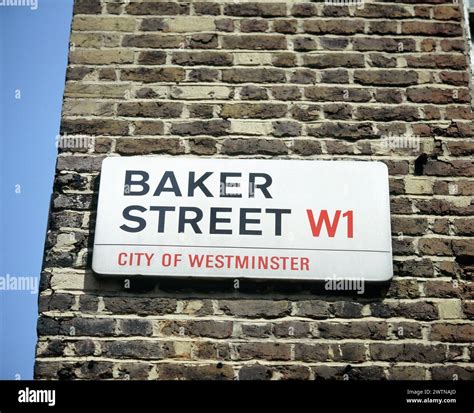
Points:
(243, 218)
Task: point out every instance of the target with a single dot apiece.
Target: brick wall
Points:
(268, 79)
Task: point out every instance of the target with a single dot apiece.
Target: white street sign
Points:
(243, 218)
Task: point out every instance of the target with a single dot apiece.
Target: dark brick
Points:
(208, 127)
(255, 308)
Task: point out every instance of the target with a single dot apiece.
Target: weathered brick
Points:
(201, 328)
(87, 7)
(408, 352)
(334, 26)
(354, 352)
(304, 10)
(255, 308)
(244, 127)
(437, 95)
(202, 58)
(185, 92)
(380, 60)
(333, 43)
(225, 25)
(154, 57)
(78, 163)
(253, 75)
(343, 130)
(383, 27)
(432, 29)
(388, 114)
(373, 330)
(379, 10)
(303, 76)
(304, 44)
(142, 146)
(254, 42)
(398, 45)
(204, 75)
(409, 225)
(417, 310)
(180, 24)
(201, 110)
(150, 109)
(87, 107)
(386, 77)
(94, 127)
(256, 330)
(255, 372)
(286, 128)
(252, 92)
(452, 372)
(452, 45)
(211, 127)
(216, 371)
(202, 146)
(88, 90)
(207, 8)
(101, 57)
(388, 95)
(78, 72)
(156, 41)
(255, 9)
(331, 60)
(286, 93)
(152, 75)
(203, 41)
(266, 351)
(139, 306)
(251, 58)
(311, 352)
(306, 112)
(285, 26)
(96, 23)
(313, 309)
(135, 327)
(253, 110)
(325, 93)
(157, 8)
(148, 128)
(291, 329)
(253, 25)
(435, 61)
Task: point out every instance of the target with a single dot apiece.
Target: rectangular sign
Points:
(243, 218)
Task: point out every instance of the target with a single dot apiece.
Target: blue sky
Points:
(33, 59)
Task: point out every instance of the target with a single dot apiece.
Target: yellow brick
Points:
(189, 24)
(81, 90)
(418, 186)
(115, 24)
(252, 59)
(250, 127)
(101, 57)
(200, 92)
(450, 309)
